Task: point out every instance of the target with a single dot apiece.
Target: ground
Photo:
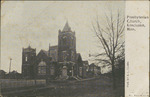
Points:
(97, 87)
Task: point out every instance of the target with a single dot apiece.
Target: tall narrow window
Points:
(26, 59)
(64, 55)
(72, 55)
(52, 71)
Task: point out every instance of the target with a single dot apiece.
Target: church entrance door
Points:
(64, 71)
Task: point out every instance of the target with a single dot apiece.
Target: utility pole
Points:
(10, 66)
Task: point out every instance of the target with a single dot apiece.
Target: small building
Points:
(96, 70)
(86, 64)
(13, 75)
(2, 74)
(85, 68)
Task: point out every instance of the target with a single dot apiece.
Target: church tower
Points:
(66, 44)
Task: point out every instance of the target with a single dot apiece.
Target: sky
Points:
(37, 23)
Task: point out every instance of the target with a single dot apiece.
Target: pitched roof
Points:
(67, 27)
(77, 55)
(45, 52)
(51, 54)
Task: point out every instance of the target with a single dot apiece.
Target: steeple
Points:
(29, 46)
(67, 27)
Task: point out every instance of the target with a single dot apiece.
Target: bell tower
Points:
(66, 44)
(28, 59)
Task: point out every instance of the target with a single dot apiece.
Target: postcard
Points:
(75, 48)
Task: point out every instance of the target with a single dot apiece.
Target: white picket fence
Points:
(13, 83)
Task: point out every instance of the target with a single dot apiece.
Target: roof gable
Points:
(78, 56)
(43, 52)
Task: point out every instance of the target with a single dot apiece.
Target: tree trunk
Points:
(113, 75)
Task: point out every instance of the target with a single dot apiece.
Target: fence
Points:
(13, 83)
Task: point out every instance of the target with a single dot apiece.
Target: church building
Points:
(59, 62)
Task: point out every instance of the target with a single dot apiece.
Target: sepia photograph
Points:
(62, 48)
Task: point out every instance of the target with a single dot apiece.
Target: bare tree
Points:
(111, 38)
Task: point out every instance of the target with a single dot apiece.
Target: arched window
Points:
(64, 40)
(42, 68)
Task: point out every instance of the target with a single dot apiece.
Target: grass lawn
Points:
(99, 87)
